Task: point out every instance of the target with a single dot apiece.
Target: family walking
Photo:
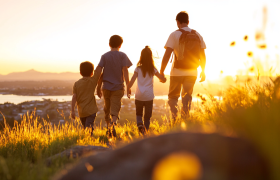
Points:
(109, 76)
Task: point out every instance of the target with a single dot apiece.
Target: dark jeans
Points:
(88, 121)
(180, 85)
(140, 105)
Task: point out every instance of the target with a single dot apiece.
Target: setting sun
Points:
(51, 36)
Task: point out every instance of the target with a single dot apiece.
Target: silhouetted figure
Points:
(115, 66)
(144, 96)
(188, 48)
(83, 95)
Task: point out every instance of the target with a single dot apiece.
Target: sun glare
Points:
(60, 40)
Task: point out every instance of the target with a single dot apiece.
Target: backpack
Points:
(189, 51)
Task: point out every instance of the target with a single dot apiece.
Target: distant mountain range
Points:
(213, 87)
(27, 78)
(33, 75)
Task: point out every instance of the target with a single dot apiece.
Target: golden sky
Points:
(56, 35)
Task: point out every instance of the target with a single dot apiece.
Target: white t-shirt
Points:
(173, 42)
(145, 86)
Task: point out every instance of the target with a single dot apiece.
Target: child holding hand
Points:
(144, 95)
(114, 64)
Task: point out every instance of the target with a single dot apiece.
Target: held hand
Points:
(73, 115)
(128, 93)
(162, 81)
(99, 93)
(202, 76)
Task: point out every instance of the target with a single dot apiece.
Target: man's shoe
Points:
(141, 129)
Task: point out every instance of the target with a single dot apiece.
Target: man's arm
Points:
(202, 65)
(165, 59)
(74, 100)
(126, 78)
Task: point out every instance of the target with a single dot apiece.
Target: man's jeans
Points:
(140, 105)
(88, 121)
(178, 83)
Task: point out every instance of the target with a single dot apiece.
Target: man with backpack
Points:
(188, 49)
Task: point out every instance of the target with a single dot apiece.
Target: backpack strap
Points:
(192, 31)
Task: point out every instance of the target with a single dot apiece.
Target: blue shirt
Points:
(113, 63)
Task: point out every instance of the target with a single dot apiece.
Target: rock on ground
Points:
(77, 151)
(219, 157)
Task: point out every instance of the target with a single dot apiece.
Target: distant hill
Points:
(33, 75)
(30, 79)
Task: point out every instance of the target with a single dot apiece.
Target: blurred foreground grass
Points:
(250, 111)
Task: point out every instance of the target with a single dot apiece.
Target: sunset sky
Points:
(57, 35)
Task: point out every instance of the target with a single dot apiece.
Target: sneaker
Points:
(141, 129)
(111, 129)
(114, 132)
(108, 133)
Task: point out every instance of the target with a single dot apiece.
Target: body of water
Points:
(16, 99)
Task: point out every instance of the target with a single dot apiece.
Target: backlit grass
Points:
(250, 111)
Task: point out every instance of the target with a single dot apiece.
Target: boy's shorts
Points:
(112, 103)
(88, 121)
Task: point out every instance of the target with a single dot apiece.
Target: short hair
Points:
(86, 68)
(115, 41)
(182, 17)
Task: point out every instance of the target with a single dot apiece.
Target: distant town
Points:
(57, 112)
(46, 109)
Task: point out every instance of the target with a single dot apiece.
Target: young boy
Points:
(115, 66)
(83, 94)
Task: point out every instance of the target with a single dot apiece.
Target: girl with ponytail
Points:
(144, 96)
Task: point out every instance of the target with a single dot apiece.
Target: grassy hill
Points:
(250, 112)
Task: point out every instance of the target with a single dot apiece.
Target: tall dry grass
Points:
(250, 111)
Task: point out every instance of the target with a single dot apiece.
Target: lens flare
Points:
(178, 166)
